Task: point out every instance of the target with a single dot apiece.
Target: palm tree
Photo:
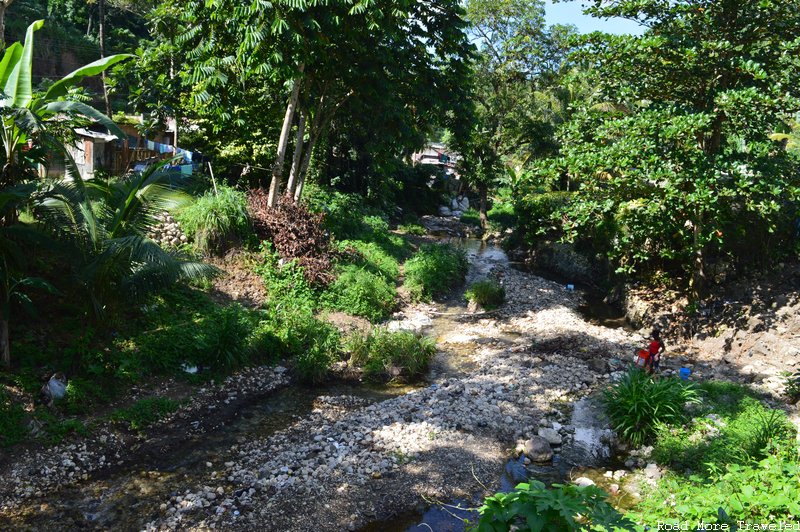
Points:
(105, 226)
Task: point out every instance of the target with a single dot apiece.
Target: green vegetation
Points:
(434, 270)
(12, 421)
(372, 256)
(145, 412)
(383, 353)
(360, 292)
(729, 426)
(638, 403)
(533, 508)
(471, 217)
(217, 220)
(487, 293)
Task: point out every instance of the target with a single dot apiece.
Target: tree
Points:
(4, 5)
(515, 93)
(672, 153)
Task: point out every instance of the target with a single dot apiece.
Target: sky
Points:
(572, 13)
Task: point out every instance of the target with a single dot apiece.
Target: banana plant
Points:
(27, 115)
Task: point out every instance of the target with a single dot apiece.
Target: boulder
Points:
(583, 482)
(551, 435)
(445, 211)
(538, 449)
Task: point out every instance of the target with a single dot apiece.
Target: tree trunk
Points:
(698, 280)
(101, 27)
(298, 154)
(4, 343)
(4, 4)
(277, 168)
(483, 192)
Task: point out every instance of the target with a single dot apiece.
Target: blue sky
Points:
(572, 13)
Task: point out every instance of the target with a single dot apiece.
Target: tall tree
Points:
(4, 5)
(673, 154)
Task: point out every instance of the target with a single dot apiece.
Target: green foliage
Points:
(729, 425)
(144, 412)
(360, 292)
(372, 257)
(313, 343)
(383, 353)
(539, 211)
(638, 403)
(793, 386)
(217, 220)
(12, 421)
(533, 508)
(181, 328)
(411, 229)
(287, 288)
(471, 217)
(764, 492)
(434, 270)
(487, 293)
(502, 215)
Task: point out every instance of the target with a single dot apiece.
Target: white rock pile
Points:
(168, 233)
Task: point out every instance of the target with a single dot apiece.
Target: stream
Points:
(126, 498)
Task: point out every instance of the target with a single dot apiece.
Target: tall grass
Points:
(387, 354)
(434, 270)
(216, 221)
(487, 293)
(638, 403)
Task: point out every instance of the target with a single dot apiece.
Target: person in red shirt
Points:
(655, 348)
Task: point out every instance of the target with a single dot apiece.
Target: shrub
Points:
(343, 212)
(383, 353)
(638, 403)
(145, 412)
(531, 507)
(434, 270)
(502, 216)
(793, 386)
(216, 221)
(286, 282)
(295, 233)
(487, 293)
(357, 291)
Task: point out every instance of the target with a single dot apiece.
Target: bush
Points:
(531, 507)
(343, 212)
(357, 291)
(638, 403)
(538, 213)
(389, 354)
(412, 229)
(295, 233)
(487, 293)
(502, 216)
(216, 221)
(145, 412)
(434, 270)
(286, 283)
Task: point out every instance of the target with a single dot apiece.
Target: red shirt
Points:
(655, 345)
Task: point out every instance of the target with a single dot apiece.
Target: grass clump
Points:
(145, 412)
(360, 292)
(638, 403)
(386, 354)
(434, 270)
(487, 293)
(412, 228)
(217, 220)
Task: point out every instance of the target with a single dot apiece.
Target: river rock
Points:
(551, 435)
(538, 449)
(583, 482)
(445, 211)
(652, 472)
(598, 365)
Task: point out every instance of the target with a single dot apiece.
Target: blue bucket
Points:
(684, 373)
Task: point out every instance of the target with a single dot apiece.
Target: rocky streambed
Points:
(346, 457)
